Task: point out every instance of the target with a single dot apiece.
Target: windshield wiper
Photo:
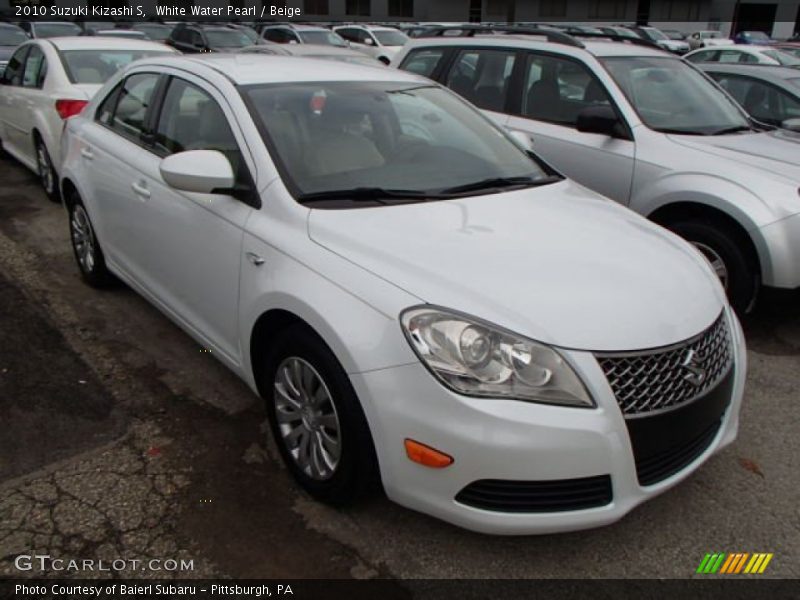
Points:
(677, 131)
(734, 129)
(500, 182)
(366, 194)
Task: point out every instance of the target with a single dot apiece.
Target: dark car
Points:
(158, 32)
(11, 36)
(50, 29)
(753, 37)
(769, 94)
(193, 38)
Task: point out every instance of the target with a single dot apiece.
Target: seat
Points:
(544, 100)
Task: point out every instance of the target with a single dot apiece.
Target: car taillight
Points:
(70, 108)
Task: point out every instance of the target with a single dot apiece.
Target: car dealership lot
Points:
(175, 464)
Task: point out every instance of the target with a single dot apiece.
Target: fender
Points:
(726, 196)
(358, 349)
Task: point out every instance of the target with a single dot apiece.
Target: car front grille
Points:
(646, 382)
(556, 495)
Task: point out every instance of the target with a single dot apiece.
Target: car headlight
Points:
(479, 359)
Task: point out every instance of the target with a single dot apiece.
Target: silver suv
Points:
(646, 129)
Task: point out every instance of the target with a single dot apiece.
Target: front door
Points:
(554, 90)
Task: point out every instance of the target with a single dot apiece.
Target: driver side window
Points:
(191, 119)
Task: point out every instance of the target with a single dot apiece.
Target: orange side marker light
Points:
(427, 456)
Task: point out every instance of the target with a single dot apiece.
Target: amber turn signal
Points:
(427, 456)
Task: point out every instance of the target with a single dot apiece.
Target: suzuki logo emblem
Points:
(693, 363)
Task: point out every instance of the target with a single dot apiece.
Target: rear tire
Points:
(47, 173)
(730, 256)
(316, 418)
(88, 254)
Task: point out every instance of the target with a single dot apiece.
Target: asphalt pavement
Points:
(122, 439)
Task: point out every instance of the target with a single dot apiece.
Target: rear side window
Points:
(15, 67)
(483, 77)
(423, 62)
(705, 56)
(557, 89)
(35, 69)
(134, 100)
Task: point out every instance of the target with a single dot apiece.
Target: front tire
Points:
(88, 254)
(316, 418)
(730, 257)
(47, 173)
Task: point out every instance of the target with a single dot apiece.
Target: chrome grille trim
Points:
(656, 380)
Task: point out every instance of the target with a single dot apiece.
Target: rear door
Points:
(553, 91)
(10, 99)
(33, 101)
(484, 76)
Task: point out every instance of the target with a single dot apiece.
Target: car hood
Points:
(774, 152)
(558, 264)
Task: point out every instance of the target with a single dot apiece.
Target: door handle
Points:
(87, 153)
(140, 190)
(254, 258)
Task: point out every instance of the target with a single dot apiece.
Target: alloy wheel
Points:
(307, 419)
(83, 238)
(45, 169)
(713, 257)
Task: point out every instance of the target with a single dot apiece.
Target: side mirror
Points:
(522, 139)
(369, 42)
(599, 119)
(199, 171)
(792, 125)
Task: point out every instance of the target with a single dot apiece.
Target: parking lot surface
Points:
(122, 438)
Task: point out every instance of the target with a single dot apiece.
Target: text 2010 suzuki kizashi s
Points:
(419, 300)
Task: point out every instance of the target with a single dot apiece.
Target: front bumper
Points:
(515, 441)
(779, 248)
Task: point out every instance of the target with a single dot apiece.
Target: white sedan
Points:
(419, 300)
(743, 54)
(49, 80)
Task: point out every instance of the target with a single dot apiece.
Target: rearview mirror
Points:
(599, 119)
(791, 125)
(199, 171)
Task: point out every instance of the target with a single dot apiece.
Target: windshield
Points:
(96, 66)
(48, 30)
(655, 34)
(417, 138)
(154, 32)
(226, 38)
(12, 37)
(327, 38)
(783, 58)
(672, 97)
(390, 38)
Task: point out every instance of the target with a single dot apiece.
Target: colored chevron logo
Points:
(734, 563)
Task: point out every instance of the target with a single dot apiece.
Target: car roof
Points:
(104, 43)
(773, 72)
(596, 47)
(251, 68)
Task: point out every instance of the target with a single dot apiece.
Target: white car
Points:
(708, 39)
(377, 41)
(648, 130)
(743, 54)
(417, 299)
(49, 80)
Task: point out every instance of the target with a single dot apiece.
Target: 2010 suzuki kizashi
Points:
(419, 300)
